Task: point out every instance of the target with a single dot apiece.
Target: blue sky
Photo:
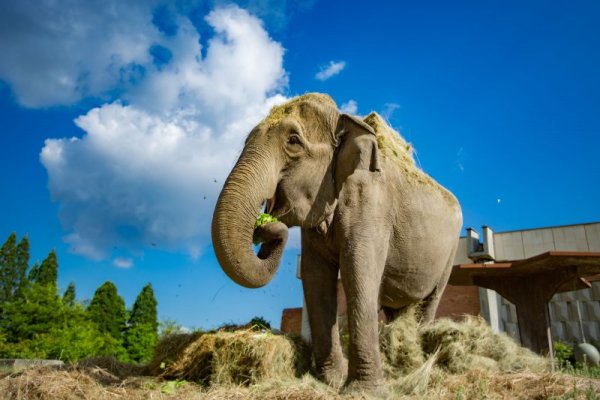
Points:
(120, 121)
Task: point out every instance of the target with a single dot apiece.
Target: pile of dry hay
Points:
(244, 357)
(456, 347)
(445, 360)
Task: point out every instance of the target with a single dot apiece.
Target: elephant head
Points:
(289, 162)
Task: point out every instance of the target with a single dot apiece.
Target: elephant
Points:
(366, 211)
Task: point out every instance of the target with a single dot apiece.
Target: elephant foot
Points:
(335, 375)
(372, 389)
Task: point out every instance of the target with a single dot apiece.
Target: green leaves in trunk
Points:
(262, 219)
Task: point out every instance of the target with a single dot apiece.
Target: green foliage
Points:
(69, 295)
(39, 325)
(13, 266)
(47, 273)
(33, 272)
(140, 340)
(36, 322)
(262, 219)
(22, 264)
(169, 327)
(107, 310)
(565, 360)
(144, 308)
(563, 353)
(34, 313)
(170, 387)
(75, 338)
(259, 323)
(142, 333)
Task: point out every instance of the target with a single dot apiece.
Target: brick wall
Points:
(291, 320)
(458, 301)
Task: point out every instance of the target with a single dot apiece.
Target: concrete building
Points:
(566, 309)
(573, 314)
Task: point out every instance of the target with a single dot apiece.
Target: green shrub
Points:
(563, 353)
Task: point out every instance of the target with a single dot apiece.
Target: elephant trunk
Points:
(252, 181)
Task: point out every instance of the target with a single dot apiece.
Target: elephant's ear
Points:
(356, 147)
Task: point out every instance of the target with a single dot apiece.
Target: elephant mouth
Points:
(270, 205)
(277, 207)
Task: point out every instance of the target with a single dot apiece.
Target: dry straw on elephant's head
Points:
(390, 142)
(286, 109)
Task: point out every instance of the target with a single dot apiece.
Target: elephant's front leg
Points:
(319, 280)
(361, 268)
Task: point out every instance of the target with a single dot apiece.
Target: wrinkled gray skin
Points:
(391, 234)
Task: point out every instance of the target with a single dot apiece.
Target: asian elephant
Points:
(365, 210)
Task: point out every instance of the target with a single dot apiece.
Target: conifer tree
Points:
(144, 308)
(33, 273)
(39, 325)
(22, 264)
(69, 295)
(107, 310)
(8, 267)
(47, 274)
(142, 332)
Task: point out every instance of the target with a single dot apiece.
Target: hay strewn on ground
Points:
(445, 360)
(244, 357)
(94, 383)
(472, 345)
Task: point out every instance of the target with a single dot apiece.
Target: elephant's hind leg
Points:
(431, 302)
(319, 280)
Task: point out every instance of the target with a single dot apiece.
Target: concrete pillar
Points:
(472, 241)
(488, 241)
(490, 308)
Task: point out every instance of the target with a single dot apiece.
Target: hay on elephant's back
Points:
(390, 142)
(472, 345)
(241, 357)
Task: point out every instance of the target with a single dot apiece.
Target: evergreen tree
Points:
(38, 325)
(142, 332)
(8, 268)
(47, 274)
(34, 272)
(69, 295)
(144, 309)
(107, 310)
(22, 264)
(34, 313)
(139, 342)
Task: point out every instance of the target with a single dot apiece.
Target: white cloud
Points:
(388, 110)
(351, 107)
(148, 173)
(333, 68)
(56, 53)
(121, 262)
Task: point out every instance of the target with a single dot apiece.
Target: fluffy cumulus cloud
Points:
(57, 52)
(148, 168)
(331, 69)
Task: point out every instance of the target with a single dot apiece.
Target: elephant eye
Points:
(294, 139)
